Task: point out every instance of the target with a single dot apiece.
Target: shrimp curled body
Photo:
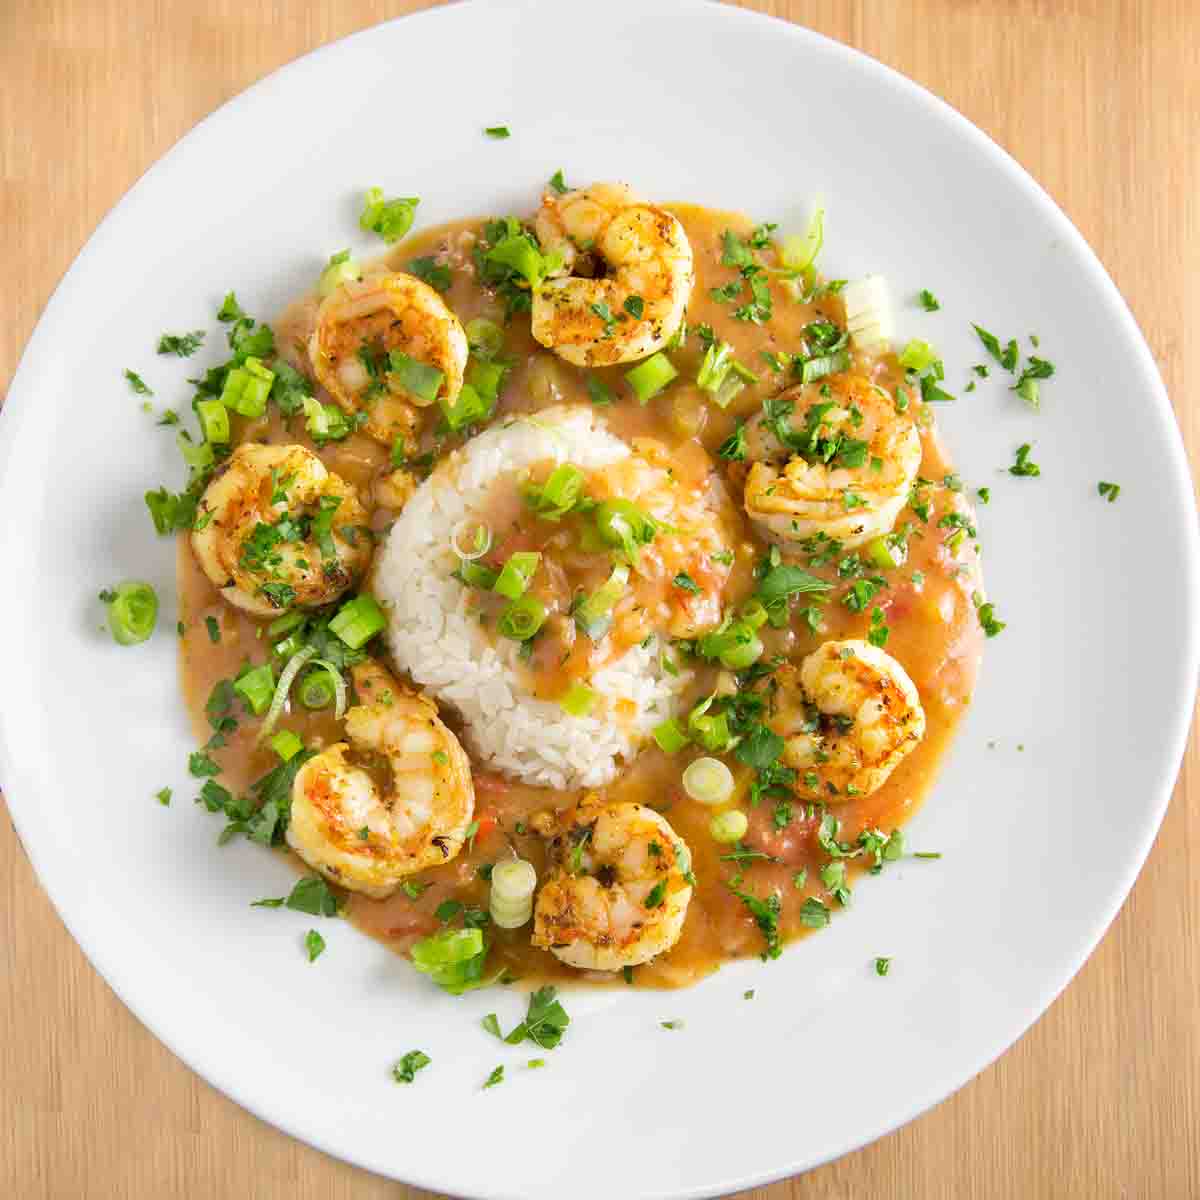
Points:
(618, 891)
(853, 458)
(626, 277)
(395, 799)
(272, 530)
(366, 320)
(849, 715)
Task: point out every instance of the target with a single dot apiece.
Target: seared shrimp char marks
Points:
(618, 890)
(629, 276)
(394, 799)
(851, 458)
(276, 529)
(848, 716)
(363, 327)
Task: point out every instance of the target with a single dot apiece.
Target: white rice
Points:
(434, 635)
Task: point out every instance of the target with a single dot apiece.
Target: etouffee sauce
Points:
(928, 607)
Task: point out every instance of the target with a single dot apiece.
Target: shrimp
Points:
(848, 716)
(853, 458)
(626, 277)
(395, 799)
(360, 323)
(619, 888)
(275, 529)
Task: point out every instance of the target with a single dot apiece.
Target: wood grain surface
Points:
(1100, 100)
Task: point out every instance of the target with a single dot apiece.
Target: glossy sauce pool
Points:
(934, 631)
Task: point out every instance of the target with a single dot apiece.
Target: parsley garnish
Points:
(882, 966)
(1023, 467)
(184, 345)
(214, 630)
(314, 943)
(545, 1022)
(1006, 356)
(434, 273)
(406, 1069)
(558, 183)
(686, 583)
(137, 384)
(877, 635)
(163, 796)
(497, 1076)
(766, 917)
(814, 913)
(1108, 490)
(1027, 385)
(929, 302)
(987, 616)
(497, 131)
(734, 446)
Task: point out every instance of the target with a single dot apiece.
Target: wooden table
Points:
(1100, 100)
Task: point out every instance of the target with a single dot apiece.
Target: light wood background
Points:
(1100, 100)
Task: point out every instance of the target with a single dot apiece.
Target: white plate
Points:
(1041, 845)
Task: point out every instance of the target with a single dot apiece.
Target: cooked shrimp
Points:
(618, 890)
(276, 529)
(628, 276)
(847, 716)
(357, 326)
(853, 458)
(395, 799)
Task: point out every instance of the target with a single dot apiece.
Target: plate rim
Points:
(21, 394)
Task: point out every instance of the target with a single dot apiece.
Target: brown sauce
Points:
(934, 631)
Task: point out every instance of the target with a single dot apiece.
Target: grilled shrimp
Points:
(626, 278)
(272, 530)
(618, 891)
(396, 798)
(847, 716)
(853, 458)
(360, 323)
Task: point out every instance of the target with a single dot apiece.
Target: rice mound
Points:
(434, 636)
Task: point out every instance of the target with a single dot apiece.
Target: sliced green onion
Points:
(445, 956)
(649, 378)
(592, 615)
(288, 646)
(132, 612)
(670, 738)
(578, 699)
(476, 575)
(518, 253)
(286, 744)
(256, 687)
(421, 381)
(247, 388)
(316, 689)
(708, 780)
(516, 573)
(884, 555)
(522, 619)
(798, 252)
(485, 338)
(721, 375)
(486, 378)
(476, 536)
(729, 827)
(358, 621)
(214, 421)
(284, 686)
(918, 355)
(754, 614)
(342, 269)
(285, 624)
(556, 497)
(621, 522)
(511, 899)
(469, 408)
(199, 457)
(737, 646)
(339, 685)
(712, 733)
(813, 369)
(868, 312)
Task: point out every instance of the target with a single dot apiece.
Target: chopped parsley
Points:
(671, 1024)
(137, 384)
(882, 966)
(1023, 467)
(314, 943)
(929, 302)
(214, 630)
(436, 274)
(766, 917)
(1110, 491)
(163, 796)
(406, 1069)
(1006, 356)
(634, 306)
(183, 345)
(498, 131)
(686, 583)
(877, 635)
(558, 183)
(201, 765)
(814, 913)
(1027, 385)
(987, 616)
(985, 495)
(545, 1022)
(497, 1076)
(734, 446)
